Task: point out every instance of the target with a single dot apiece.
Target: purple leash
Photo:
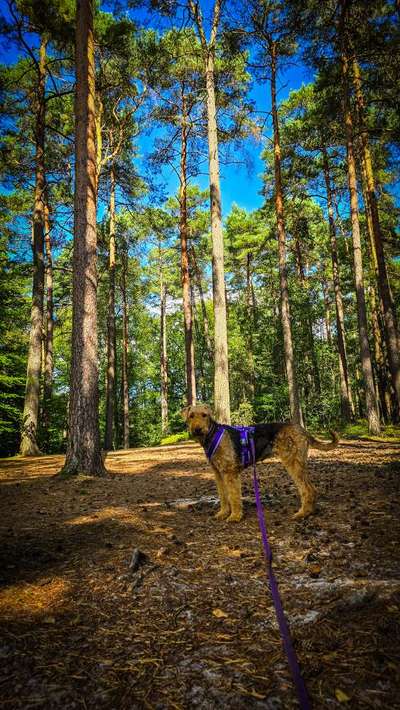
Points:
(273, 585)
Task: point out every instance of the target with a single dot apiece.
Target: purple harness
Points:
(246, 437)
(248, 456)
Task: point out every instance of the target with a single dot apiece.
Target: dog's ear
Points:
(185, 413)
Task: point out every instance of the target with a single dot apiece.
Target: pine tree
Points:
(83, 454)
(221, 367)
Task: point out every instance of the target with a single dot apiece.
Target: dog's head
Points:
(198, 419)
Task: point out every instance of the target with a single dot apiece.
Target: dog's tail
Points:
(323, 445)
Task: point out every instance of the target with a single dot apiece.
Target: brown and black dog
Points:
(290, 442)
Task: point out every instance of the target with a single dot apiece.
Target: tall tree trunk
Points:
(185, 274)
(389, 314)
(30, 417)
(197, 275)
(308, 315)
(163, 349)
(48, 365)
(202, 378)
(377, 320)
(125, 384)
(327, 315)
(294, 400)
(84, 453)
(365, 353)
(221, 368)
(250, 329)
(111, 338)
(346, 398)
(48, 327)
(380, 365)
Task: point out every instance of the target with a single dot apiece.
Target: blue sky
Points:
(239, 184)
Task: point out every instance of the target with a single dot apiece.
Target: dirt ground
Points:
(125, 592)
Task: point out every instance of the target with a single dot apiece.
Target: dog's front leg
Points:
(225, 509)
(233, 485)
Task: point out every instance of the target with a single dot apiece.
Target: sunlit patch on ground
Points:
(24, 599)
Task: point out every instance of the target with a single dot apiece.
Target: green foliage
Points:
(175, 438)
(359, 430)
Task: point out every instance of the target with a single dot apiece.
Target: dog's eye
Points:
(204, 415)
(191, 416)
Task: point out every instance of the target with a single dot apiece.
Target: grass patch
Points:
(175, 438)
(359, 430)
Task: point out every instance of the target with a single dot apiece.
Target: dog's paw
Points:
(222, 514)
(301, 514)
(234, 518)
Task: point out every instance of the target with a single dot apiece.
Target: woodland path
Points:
(193, 626)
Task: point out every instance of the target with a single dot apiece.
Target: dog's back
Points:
(264, 438)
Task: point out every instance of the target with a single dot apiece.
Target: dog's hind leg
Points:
(295, 463)
(298, 470)
(225, 509)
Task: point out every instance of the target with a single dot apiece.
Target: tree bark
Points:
(251, 384)
(48, 328)
(83, 452)
(365, 353)
(346, 398)
(111, 337)
(197, 275)
(294, 400)
(311, 354)
(185, 274)
(389, 314)
(221, 367)
(48, 365)
(30, 417)
(163, 350)
(125, 383)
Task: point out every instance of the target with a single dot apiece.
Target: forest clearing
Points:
(193, 625)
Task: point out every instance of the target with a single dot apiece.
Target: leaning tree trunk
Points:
(294, 400)
(365, 353)
(389, 314)
(30, 417)
(111, 338)
(163, 350)
(83, 452)
(125, 384)
(346, 399)
(221, 369)
(185, 274)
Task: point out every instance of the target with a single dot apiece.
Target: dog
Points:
(289, 441)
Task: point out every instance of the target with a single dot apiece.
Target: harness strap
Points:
(273, 585)
(216, 440)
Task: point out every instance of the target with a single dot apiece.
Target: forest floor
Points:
(191, 623)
